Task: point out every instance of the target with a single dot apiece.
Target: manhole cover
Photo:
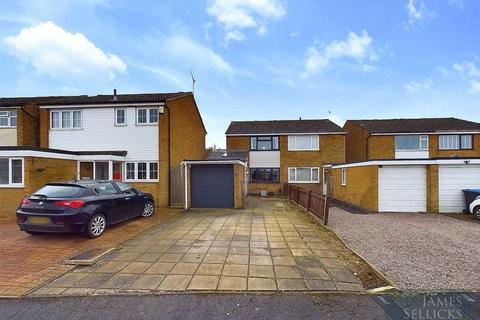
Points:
(89, 256)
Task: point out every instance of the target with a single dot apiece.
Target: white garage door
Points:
(452, 180)
(402, 189)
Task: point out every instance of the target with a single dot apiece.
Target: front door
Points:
(324, 182)
(101, 170)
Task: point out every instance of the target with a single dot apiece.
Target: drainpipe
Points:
(186, 186)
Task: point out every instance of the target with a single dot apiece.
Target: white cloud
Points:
(474, 86)
(234, 35)
(195, 53)
(467, 69)
(165, 73)
(417, 11)
(294, 34)
(357, 47)
(414, 87)
(236, 15)
(457, 3)
(54, 51)
(335, 118)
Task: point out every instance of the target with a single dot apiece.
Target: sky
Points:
(252, 59)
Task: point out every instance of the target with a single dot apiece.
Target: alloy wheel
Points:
(476, 212)
(98, 226)
(148, 210)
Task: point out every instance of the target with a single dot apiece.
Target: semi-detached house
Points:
(137, 138)
(408, 165)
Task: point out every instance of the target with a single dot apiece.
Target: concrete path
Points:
(245, 306)
(266, 247)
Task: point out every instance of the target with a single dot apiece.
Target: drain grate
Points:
(89, 256)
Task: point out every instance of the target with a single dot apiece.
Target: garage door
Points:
(402, 189)
(452, 180)
(211, 186)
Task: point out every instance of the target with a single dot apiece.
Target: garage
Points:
(402, 189)
(212, 186)
(452, 180)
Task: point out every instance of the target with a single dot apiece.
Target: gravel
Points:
(416, 251)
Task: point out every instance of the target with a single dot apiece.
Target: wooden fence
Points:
(315, 203)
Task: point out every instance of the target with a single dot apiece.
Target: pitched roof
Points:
(283, 127)
(416, 125)
(85, 100)
(228, 155)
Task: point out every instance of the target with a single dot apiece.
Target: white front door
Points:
(402, 189)
(451, 181)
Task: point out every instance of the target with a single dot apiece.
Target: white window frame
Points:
(8, 115)
(459, 141)
(136, 171)
(420, 138)
(60, 117)
(116, 117)
(148, 123)
(344, 177)
(313, 146)
(294, 180)
(10, 174)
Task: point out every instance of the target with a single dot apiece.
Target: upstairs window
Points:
(266, 143)
(307, 142)
(411, 143)
(120, 117)
(66, 119)
(147, 116)
(455, 142)
(8, 119)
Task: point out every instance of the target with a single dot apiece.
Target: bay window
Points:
(265, 143)
(411, 143)
(11, 171)
(66, 119)
(264, 175)
(303, 175)
(455, 142)
(303, 142)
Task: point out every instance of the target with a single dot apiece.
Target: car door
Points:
(133, 199)
(112, 202)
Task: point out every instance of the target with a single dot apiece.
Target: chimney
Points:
(299, 118)
(114, 94)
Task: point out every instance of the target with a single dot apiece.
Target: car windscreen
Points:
(60, 191)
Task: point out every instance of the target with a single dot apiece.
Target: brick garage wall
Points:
(432, 189)
(332, 150)
(38, 171)
(355, 143)
(434, 152)
(361, 189)
(28, 126)
(239, 181)
(238, 143)
(381, 147)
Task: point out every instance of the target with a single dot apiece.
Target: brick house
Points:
(137, 138)
(408, 165)
(286, 151)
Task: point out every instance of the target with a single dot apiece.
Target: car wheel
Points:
(476, 212)
(33, 233)
(148, 210)
(96, 226)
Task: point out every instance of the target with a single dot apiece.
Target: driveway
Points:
(266, 247)
(416, 251)
(28, 261)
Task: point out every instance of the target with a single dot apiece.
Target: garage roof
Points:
(319, 126)
(416, 125)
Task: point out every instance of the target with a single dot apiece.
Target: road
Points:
(245, 306)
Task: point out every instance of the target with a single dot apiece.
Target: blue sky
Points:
(252, 59)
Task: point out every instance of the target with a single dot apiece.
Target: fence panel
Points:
(317, 204)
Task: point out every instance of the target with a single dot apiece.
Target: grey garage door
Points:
(211, 186)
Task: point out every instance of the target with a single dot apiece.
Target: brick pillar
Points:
(163, 147)
(44, 127)
(432, 189)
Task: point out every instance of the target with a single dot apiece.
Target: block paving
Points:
(270, 246)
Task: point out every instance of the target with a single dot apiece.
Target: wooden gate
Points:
(177, 186)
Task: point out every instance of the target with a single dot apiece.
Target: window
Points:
(11, 171)
(153, 171)
(66, 119)
(303, 175)
(121, 117)
(53, 191)
(264, 175)
(125, 188)
(344, 177)
(455, 142)
(105, 188)
(8, 119)
(141, 171)
(411, 143)
(147, 115)
(264, 143)
(303, 142)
